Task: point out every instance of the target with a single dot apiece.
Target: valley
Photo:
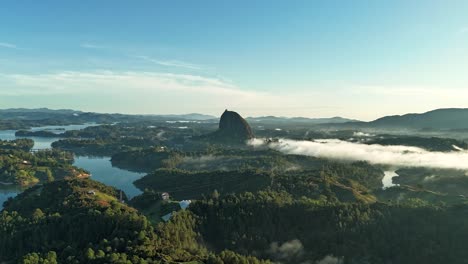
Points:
(242, 186)
(233, 132)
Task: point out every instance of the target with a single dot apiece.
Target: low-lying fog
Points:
(403, 156)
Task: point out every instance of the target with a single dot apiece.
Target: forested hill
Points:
(289, 218)
(83, 221)
(21, 118)
(453, 118)
(450, 118)
(45, 113)
(439, 119)
(297, 120)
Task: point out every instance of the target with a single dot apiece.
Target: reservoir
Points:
(100, 167)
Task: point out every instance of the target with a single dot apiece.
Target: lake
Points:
(101, 170)
(100, 167)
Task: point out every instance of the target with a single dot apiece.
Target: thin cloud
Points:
(76, 82)
(91, 46)
(168, 92)
(8, 45)
(171, 63)
(195, 92)
(144, 83)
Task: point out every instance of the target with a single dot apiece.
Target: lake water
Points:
(100, 167)
(101, 170)
(41, 142)
(7, 191)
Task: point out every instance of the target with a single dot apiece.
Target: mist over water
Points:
(402, 156)
(387, 180)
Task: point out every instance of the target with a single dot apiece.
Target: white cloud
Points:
(91, 46)
(176, 93)
(168, 91)
(171, 63)
(109, 81)
(377, 154)
(8, 45)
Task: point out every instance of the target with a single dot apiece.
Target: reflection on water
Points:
(101, 170)
(7, 191)
(39, 142)
(7, 134)
(61, 129)
(43, 142)
(100, 167)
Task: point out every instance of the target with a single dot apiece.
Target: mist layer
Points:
(403, 156)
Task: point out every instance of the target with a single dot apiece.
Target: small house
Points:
(184, 204)
(165, 196)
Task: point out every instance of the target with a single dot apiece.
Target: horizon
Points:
(228, 132)
(360, 60)
(218, 115)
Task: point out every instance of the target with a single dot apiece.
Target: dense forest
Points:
(214, 202)
(411, 232)
(113, 139)
(81, 226)
(431, 144)
(21, 167)
(82, 221)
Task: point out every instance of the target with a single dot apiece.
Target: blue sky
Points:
(359, 59)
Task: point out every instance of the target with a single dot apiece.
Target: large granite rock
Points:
(233, 128)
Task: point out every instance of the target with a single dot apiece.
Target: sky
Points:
(356, 59)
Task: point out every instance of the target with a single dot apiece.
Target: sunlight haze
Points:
(359, 59)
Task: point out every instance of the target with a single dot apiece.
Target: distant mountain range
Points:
(439, 119)
(80, 116)
(33, 114)
(297, 120)
(449, 118)
(192, 116)
(45, 113)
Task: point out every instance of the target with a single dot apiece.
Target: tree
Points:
(38, 214)
(100, 254)
(49, 175)
(90, 254)
(215, 195)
